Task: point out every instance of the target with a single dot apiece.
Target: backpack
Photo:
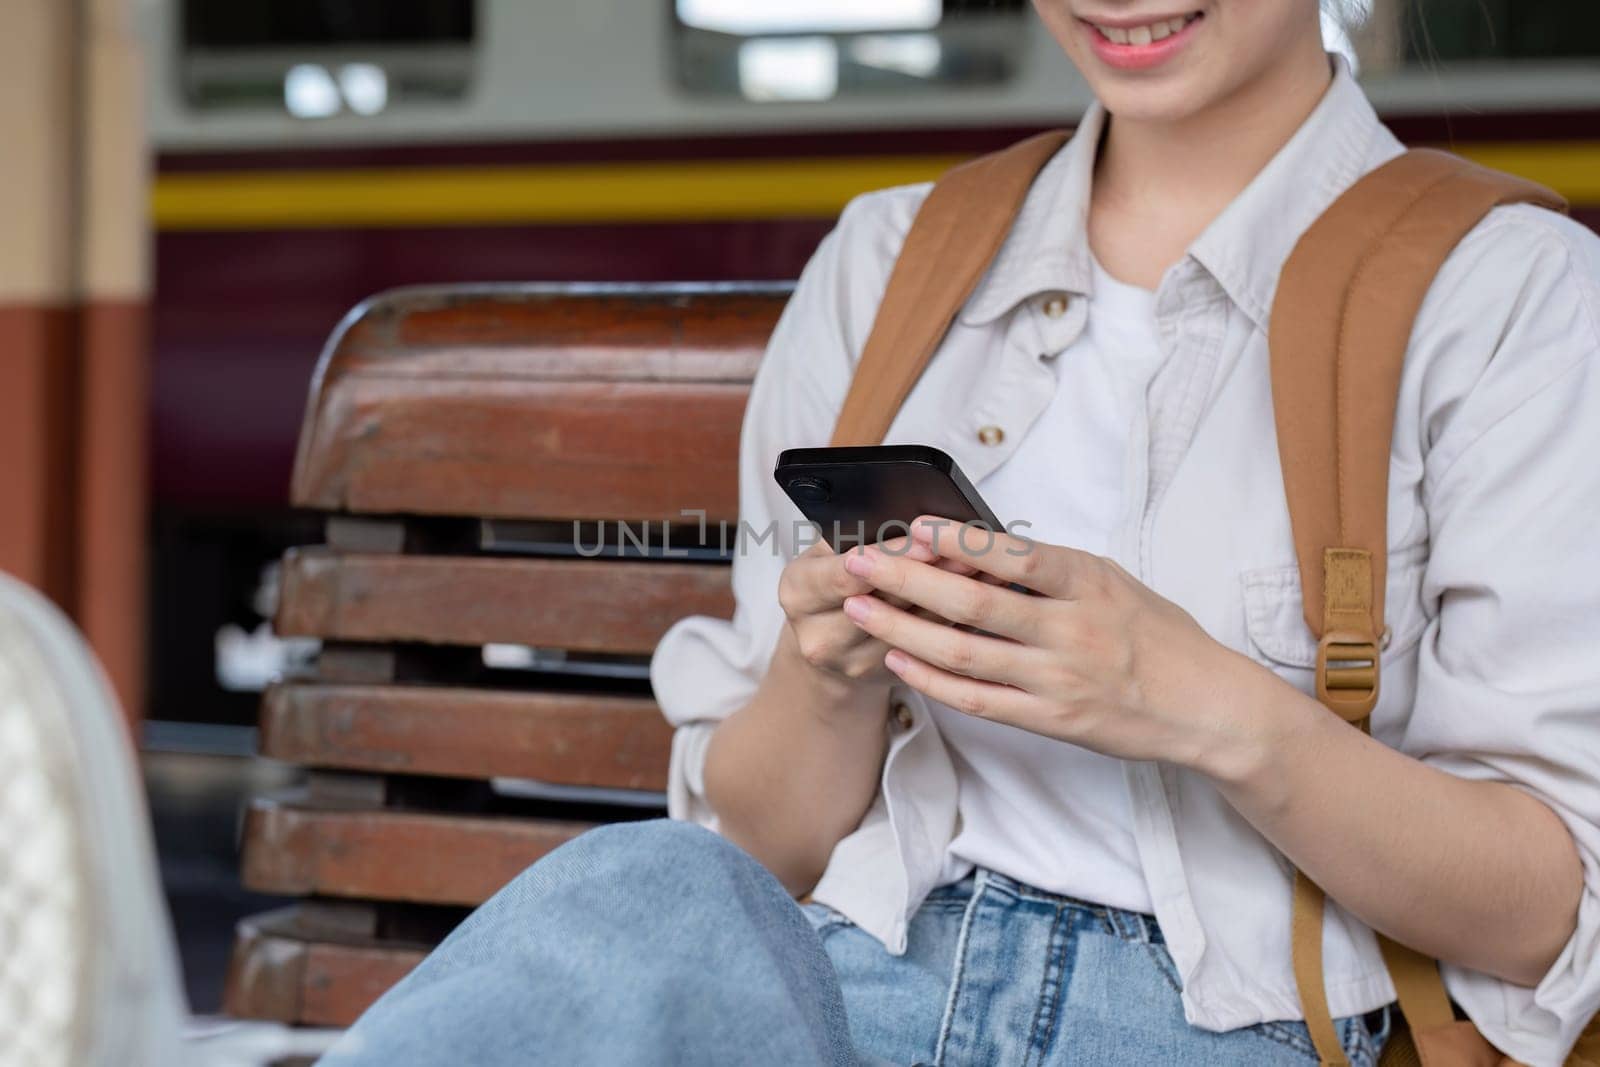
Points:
(1340, 324)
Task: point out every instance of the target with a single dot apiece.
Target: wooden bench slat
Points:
(391, 854)
(586, 605)
(545, 450)
(529, 402)
(585, 739)
(711, 331)
(275, 975)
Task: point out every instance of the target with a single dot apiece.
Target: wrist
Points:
(1259, 718)
(828, 696)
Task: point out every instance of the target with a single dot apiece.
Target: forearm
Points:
(793, 771)
(1477, 873)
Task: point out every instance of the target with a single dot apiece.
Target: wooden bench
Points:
(481, 694)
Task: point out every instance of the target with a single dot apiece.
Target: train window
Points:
(798, 16)
(1446, 34)
(818, 49)
(318, 58)
(1480, 29)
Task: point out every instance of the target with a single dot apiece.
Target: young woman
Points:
(1066, 843)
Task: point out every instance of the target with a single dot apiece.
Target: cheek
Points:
(1259, 31)
(1062, 24)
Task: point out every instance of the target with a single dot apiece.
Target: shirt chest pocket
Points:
(1275, 621)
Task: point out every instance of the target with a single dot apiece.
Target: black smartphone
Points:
(862, 495)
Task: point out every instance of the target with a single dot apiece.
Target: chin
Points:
(1164, 101)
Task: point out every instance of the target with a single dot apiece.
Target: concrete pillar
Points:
(74, 280)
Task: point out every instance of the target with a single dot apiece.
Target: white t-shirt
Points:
(1045, 812)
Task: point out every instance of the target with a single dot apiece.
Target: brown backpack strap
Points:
(957, 232)
(1341, 323)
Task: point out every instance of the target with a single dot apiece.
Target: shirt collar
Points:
(1244, 248)
(1048, 246)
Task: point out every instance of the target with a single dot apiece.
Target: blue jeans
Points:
(661, 943)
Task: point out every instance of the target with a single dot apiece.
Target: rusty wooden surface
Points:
(420, 857)
(275, 973)
(535, 402)
(593, 739)
(590, 605)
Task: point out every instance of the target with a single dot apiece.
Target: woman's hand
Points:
(812, 591)
(1096, 658)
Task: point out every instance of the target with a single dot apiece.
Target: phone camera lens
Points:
(810, 490)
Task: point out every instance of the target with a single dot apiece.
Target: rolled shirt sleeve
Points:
(1508, 684)
(704, 668)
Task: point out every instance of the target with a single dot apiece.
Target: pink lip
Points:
(1139, 56)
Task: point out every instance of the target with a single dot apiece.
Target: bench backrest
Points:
(480, 695)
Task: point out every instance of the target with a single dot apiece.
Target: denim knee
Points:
(655, 855)
(653, 848)
(646, 942)
(655, 841)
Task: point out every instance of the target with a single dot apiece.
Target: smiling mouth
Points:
(1148, 33)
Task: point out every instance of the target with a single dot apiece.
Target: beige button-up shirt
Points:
(1492, 670)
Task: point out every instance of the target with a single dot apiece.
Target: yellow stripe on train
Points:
(699, 190)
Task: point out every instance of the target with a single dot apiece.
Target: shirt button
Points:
(1055, 307)
(902, 715)
(991, 435)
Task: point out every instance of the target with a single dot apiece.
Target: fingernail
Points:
(895, 660)
(859, 564)
(857, 608)
(926, 528)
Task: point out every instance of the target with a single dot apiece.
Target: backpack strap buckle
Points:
(1347, 674)
(1347, 654)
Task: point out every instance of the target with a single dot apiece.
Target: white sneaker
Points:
(89, 973)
